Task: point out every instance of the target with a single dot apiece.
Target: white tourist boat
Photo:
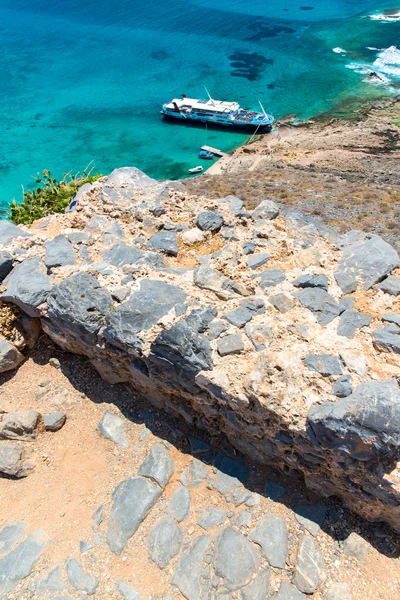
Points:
(198, 169)
(216, 112)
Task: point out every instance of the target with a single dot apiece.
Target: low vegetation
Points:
(51, 196)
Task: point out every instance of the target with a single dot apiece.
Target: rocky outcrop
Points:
(288, 354)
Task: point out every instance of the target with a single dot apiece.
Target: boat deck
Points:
(215, 151)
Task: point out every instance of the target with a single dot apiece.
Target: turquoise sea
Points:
(83, 81)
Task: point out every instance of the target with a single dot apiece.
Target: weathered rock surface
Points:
(158, 466)
(165, 539)
(272, 536)
(267, 209)
(128, 592)
(19, 562)
(59, 252)
(164, 241)
(54, 421)
(187, 576)
(79, 579)
(388, 338)
(390, 285)
(27, 286)
(209, 220)
(13, 461)
(179, 506)
(310, 566)
(6, 263)
(235, 559)
(9, 232)
(10, 357)
(19, 425)
(113, 427)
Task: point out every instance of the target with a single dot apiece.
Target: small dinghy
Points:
(196, 169)
(206, 154)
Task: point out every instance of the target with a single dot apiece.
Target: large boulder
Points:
(365, 262)
(9, 232)
(365, 425)
(13, 461)
(6, 263)
(20, 425)
(267, 209)
(10, 357)
(28, 286)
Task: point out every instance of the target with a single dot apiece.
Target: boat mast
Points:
(262, 108)
(208, 94)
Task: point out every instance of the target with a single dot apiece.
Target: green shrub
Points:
(50, 197)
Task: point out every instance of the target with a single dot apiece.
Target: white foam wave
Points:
(339, 50)
(388, 62)
(389, 16)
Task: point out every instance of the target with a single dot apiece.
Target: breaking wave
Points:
(389, 16)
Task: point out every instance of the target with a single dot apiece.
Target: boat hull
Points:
(199, 123)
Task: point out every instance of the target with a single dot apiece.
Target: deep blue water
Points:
(83, 81)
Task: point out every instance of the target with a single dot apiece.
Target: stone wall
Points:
(266, 327)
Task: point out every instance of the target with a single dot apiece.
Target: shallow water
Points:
(84, 81)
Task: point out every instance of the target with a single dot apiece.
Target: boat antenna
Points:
(262, 108)
(208, 94)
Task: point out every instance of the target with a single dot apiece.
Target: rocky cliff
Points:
(269, 328)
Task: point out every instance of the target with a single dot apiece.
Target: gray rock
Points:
(267, 209)
(346, 303)
(350, 321)
(310, 567)
(165, 539)
(120, 254)
(20, 425)
(120, 293)
(388, 338)
(365, 425)
(179, 506)
(257, 260)
(230, 344)
(288, 592)
(130, 177)
(10, 357)
(112, 427)
(79, 579)
(18, 564)
(211, 517)
(78, 305)
(270, 278)
(390, 285)
(209, 220)
(366, 262)
(133, 500)
(259, 588)
(338, 591)
(282, 302)
(79, 237)
(217, 327)
(198, 473)
(145, 307)
(356, 547)
(12, 461)
(59, 252)
(85, 547)
(320, 303)
(6, 263)
(164, 241)
(235, 559)
(158, 466)
(128, 592)
(233, 203)
(54, 421)
(260, 335)
(10, 535)
(27, 286)
(324, 364)
(209, 279)
(248, 248)
(391, 318)
(312, 281)
(311, 516)
(187, 576)
(272, 535)
(50, 584)
(98, 516)
(239, 317)
(343, 387)
(9, 232)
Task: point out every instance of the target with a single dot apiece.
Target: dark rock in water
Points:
(350, 321)
(259, 588)
(54, 421)
(158, 466)
(121, 254)
(27, 286)
(6, 263)
(184, 349)
(272, 536)
(133, 500)
(112, 427)
(179, 506)
(342, 387)
(310, 567)
(312, 281)
(164, 241)
(264, 31)
(79, 305)
(128, 592)
(230, 344)
(20, 425)
(235, 558)
(366, 261)
(12, 461)
(79, 579)
(144, 309)
(288, 592)
(388, 338)
(10, 357)
(187, 576)
(209, 220)
(324, 364)
(390, 285)
(267, 209)
(159, 55)
(249, 65)
(282, 302)
(270, 278)
(322, 304)
(311, 516)
(19, 563)
(364, 425)
(59, 252)
(165, 539)
(9, 231)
